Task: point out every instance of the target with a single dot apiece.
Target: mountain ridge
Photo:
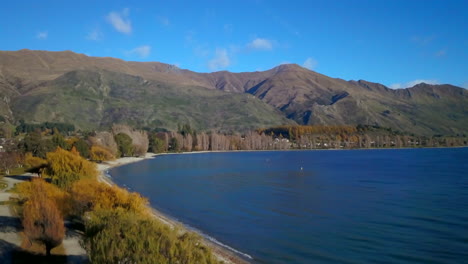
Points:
(302, 95)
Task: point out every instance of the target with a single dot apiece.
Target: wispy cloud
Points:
(142, 51)
(163, 20)
(94, 35)
(260, 44)
(441, 53)
(42, 35)
(412, 83)
(120, 21)
(310, 63)
(220, 60)
(422, 40)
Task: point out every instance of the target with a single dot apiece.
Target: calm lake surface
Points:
(348, 206)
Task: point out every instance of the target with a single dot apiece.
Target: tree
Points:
(157, 145)
(174, 144)
(124, 144)
(34, 143)
(58, 140)
(28, 189)
(140, 140)
(82, 147)
(116, 236)
(105, 139)
(8, 160)
(65, 167)
(34, 164)
(42, 221)
(100, 154)
(89, 195)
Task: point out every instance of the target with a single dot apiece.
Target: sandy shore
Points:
(222, 253)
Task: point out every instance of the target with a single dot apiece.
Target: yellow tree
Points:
(100, 154)
(27, 189)
(34, 164)
(66, 167)
(89, 195)
(42, 220)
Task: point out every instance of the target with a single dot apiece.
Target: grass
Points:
(3, 185)
(18, 171)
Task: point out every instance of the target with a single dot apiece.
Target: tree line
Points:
(124, 141)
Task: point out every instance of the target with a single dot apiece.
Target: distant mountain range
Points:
(94, 92)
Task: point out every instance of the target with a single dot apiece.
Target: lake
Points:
(330, 206)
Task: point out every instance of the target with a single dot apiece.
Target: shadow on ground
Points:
(21, 177)
(10, 224)
(11, 254)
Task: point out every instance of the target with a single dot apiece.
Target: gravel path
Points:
(10, 226)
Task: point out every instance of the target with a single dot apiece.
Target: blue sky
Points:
(397, 43)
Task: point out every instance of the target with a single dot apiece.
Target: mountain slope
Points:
(304, 96)
(94, 99)
(311, 98)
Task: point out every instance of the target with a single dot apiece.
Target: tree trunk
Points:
(48, 249)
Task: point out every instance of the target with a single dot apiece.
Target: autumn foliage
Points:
(100, 154)
(42, 220)
(67, 167)
(28, 190)
(118, 236)
(89, 195)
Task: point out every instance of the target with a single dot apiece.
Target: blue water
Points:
(348, 206)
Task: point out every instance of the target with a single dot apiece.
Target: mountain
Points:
(99, 98)
(94, 92)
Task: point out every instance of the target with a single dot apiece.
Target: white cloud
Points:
(120, 21)
(260, 44)
(42, 35)
(412, 83)
(310, 63)
(221, 60)
(142, 51)
(441, 53)
(94, 35)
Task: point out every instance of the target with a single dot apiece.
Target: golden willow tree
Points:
(67, 167)
(100, 154)
(89, 195)
(42, 221)
(119, 236)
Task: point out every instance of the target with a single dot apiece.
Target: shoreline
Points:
(220, 251)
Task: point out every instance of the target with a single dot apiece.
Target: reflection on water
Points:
(318, 206)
